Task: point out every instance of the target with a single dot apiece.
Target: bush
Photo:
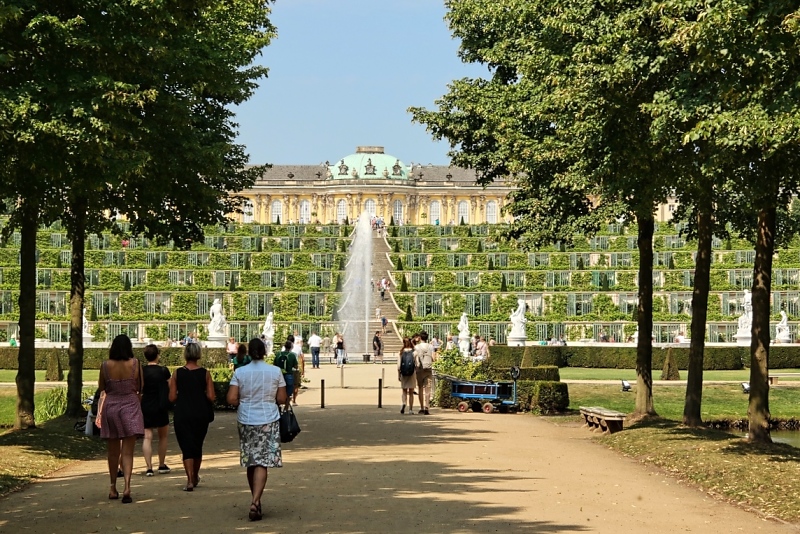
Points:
(408, 316)
(549, 397)
(54, 372)
(547, 373)
(670, 370)
(94, 357)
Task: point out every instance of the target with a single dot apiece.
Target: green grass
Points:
(89, 376)
(582, 373)
(719, 401)
(8, 405)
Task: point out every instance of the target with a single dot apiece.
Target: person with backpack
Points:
(423, 358)
(405, 374)
(286, 361)
(241, 357)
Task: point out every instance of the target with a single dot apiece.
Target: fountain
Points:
(354, 313)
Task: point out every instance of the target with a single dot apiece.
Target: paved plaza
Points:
(357, 468)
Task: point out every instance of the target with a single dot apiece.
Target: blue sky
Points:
(343, 73)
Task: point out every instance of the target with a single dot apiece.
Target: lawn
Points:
(719, 401)
(582, 373)
(8, 405)
(89, 376)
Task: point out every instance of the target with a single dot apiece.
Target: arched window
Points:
(341, 211)
(247, 209)
(369, 207)
(491, 212)
(463, 212)
(397, 212)
(277, 211)
(435, 210)
(305, 212)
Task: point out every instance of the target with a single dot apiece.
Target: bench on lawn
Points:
(597, 418)
(773, 378)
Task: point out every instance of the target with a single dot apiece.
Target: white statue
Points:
(463, 335)
(85, 323)
(518, 320)
(269, 333)
(782, 334)
(217, 325)
(746, 319)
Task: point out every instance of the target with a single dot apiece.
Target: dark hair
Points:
(377, 332)
(256, 349)
(423, 336)
(407, 343)
(121, 348)
(290, 337)
(151, 353)
(288, 345)
(192, 352)
(241, 350)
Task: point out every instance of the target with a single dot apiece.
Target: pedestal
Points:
(743, 339)
(216, 342)
(463, 345)
(516, 341)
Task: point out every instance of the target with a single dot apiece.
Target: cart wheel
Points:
(488, 407)
(476, 406)
(462, 407)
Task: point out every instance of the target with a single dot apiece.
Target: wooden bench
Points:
(773, 379)
(602, 419)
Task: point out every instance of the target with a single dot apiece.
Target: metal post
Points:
(322, 394)
(341, 376)
(380, 393)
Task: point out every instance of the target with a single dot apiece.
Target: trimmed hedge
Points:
(624, 357)
(550, 397)
(540, 372)
(93, 358)
(54, 372)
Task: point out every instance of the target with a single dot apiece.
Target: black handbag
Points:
(289, 426)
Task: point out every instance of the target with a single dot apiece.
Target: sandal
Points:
(113, 496)
(126, 499)
(255, 512)
(188, 488)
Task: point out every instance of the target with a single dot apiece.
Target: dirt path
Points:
(357, 468)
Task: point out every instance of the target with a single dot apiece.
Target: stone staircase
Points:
(380, 268)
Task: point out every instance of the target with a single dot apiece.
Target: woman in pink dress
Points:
(121, 418)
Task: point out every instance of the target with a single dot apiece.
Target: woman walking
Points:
(257, 389)
(339, 343)
(155, 408)
(121, 420)
(406, 376)
(192, 391)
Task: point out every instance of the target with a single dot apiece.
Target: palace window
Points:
(341, 211)
(247, 212)
(463, 212)
(276, 212)
(397, 212)
(491, 212)
(305, 212)
(435, 209)
(370, 207)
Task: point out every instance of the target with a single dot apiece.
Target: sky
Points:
(343, 74)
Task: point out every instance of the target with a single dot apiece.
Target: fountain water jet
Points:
(356, 291)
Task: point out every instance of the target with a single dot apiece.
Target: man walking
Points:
(314, 343)
(423, 358)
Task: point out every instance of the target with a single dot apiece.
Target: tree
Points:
(409, 317)
(403, 284)
(399, 263)
(503, 284)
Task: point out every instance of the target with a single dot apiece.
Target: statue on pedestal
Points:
(463, 335)
(217, 325)
(269, 333)
(518, 320)
(745, 322)
(782, 333)
(85, 324)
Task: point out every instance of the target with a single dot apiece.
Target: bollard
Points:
(322, 393)
(341, 376)
(380, 393)
(383, 374)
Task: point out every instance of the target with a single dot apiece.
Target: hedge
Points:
(624, 357)
(94, 357)
(550, 397)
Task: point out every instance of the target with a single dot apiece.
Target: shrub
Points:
(549, 397)
(403, 284)
(399, 263)
(525, 389)
(670, 370)
(547, 373)
(408, 316)
(54, 372)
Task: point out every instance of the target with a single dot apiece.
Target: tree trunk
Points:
(758, 408)
(76, 304)
(26, 376)
(644, 349)
(702, 274)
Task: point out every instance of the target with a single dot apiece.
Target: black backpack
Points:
(280, 361)
(407, 363)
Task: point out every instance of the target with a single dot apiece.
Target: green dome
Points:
(369, 163)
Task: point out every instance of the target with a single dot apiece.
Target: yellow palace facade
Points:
(377, 183)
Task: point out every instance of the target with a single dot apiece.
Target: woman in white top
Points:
(257, 389)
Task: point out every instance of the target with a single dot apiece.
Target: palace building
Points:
(380, 184)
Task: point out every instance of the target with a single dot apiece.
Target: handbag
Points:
(289, 427)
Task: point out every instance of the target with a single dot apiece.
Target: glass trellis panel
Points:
(499, 260)
(273, 279)
(235, 331)
(674, 241)
(745, 256)
(325, 243)
(515, 278)
(661, 259)
(312, 304)
(435, 209)
(603, 279)
(129, 329)
(613, 331)
(429, 304)
(688, 278)
(457, 260)
(421, 279)
(478, 304)
(136, 277)
(558, 278)
(397, 212)
(439, 330)
(716, 243)
(627, 302)
(54, 303)
(239, 259)
(370, 207)
(538, 258)
(290, 243)
(44, 277)
(157, 303)
(341, 211)
(496, 331)
(198, 259)
(259, 304)
(741, 278)
(579, 304)
(55, 240)
(621, 259)
(58, 332)
(788, 301)
(448, 243)
(658, 279)
(280, 260)
(722, 333)
(444, 230)
(579, 260)
(276, 212)
(463, 212)
(680, 303)
(787, 277)
(114, 258)
(598, 243)
(416, 260)
(154, 259)
(94, 242)
(105, 303)
(320, 279)
(614, 228)
(467, 278)
(491, 212)
(323, 261)
(732, 303)
(6, 302)
(296, 231)
(632, 243)
(201, 301)
(181, 278)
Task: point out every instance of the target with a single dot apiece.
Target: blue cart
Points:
(488, 396)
